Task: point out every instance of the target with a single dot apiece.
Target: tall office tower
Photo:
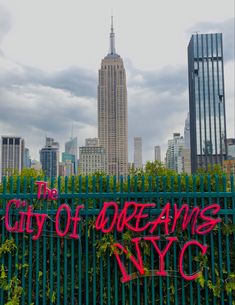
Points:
(12, 152)
(112, 111)
(49, 158)
(174, 158)
(92, 157)
(206, 100)
(138, 152)
(157, 153)
(71, 153)
(27, 160)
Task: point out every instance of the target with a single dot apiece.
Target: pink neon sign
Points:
(130, 217)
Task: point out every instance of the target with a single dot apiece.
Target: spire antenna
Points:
(112, 38)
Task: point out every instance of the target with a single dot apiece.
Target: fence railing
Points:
(78, 258)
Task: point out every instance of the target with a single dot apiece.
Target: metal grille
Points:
(54, 270)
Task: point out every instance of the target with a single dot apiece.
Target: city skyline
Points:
(33, 79)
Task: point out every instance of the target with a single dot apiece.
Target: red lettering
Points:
(161, 253)
(29, 215)
(210, 223)
(65, 207)
(75, 220)
(163, 218)
(40, 219)
(140, 216)
(102, 220)
(196, 274)
(42, 186)
(138, 263)
(187, 217)
(123, 219)
(9, 228)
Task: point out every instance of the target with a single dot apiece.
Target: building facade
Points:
(112, 111)
(49, 158)
(138, 163)
(174, 158)
(27, 160)
(206, 100)
(12, 155)
(231, 148)
(157, 153)
(92, 158)
(71, 148)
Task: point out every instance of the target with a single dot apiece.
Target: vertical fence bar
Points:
(2, 295)
(37, 277)
(10, 236)
(51, 233)
(58, 250)
(23, 256)
(72, 269)
(80, 250)
(30, 264)
(65, 253)
(94, 181)
(202, 187)
(212, 249)
(228, 261)
(220, 250)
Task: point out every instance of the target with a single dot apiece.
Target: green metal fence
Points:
(54, 270)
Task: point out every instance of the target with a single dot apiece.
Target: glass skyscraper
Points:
(206, 100)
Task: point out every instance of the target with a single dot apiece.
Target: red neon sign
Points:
(130, 217)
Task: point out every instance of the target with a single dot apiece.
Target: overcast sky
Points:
(51, 50)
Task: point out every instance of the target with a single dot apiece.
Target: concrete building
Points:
(12, 155)
(231, 149)
(92, 142)
(49, 158)
(186, 152)
(112, 111)
(206, 100)
(174, 153)
(92, 158)
(138, 152)
(66, 168)
(157, 153)
(69, 162)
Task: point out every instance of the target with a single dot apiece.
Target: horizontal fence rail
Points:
(85, 270)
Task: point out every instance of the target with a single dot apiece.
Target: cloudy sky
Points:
(50, 53)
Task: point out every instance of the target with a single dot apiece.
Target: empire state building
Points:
(112, 110)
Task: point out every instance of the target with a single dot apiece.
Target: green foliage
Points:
(12, 286)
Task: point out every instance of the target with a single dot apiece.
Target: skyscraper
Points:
(71, 153)
(12, 151)
(138, 152)
(27, 160)
(112, 110)
(157, 153)
(49, 158)
(174, 153)
(206, 100)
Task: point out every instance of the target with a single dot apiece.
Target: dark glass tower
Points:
(206, 100)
